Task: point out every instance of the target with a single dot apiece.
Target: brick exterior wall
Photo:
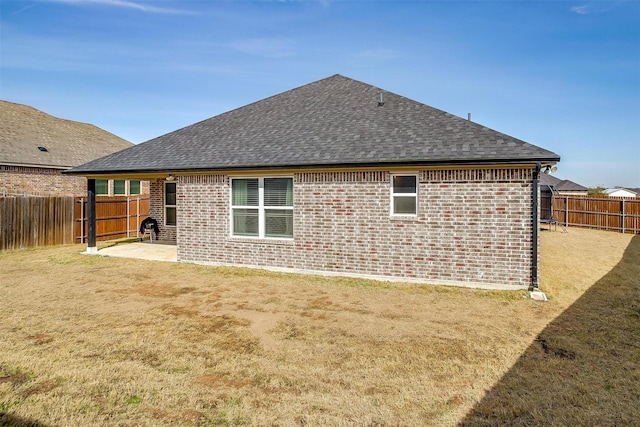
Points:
(156, 209)
(474, 227)
(40, 181)
(44, 181)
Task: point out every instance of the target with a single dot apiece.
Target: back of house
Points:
(342, 177)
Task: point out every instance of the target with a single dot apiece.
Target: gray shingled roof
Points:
(23, 129)
(546, 179)
(567, 185)
(333, 122)
(560, 184)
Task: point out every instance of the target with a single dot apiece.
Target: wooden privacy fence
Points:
(27, 222)
(31, 221)
(118, 216)
(605, 213)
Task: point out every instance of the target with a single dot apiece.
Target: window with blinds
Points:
(262, 207)
(134, 188)
(170, 214)
(102, 187)
(119, 187)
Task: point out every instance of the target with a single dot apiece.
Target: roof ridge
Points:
(247, 105)
(52, 116)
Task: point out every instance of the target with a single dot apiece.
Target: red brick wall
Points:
(43, 181)
(156, 210)
(473, 226)
(40, 181)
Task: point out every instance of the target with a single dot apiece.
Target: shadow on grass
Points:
(16, 421)
(584, 367)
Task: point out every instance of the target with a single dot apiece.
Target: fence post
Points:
(566, 211)
(128, 217)
(622, 215)
(81, 221)
(137, 215)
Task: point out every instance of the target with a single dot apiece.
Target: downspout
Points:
(536, 227)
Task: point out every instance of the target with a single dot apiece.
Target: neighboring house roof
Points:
(546, 179)
(567, 185)
(23, 129)
(558, 184)
(332, 122)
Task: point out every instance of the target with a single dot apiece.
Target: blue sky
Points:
(564, 75)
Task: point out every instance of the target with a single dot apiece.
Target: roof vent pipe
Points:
(381, 102)
(469, 116)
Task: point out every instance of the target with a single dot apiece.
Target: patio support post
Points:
(91, 217)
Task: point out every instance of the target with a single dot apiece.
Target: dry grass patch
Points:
(583, 368)
(104, 341)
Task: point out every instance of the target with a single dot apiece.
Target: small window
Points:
(119, 188)
(262, 207)
(170, 203)
(404, 195)
(102, 187)
(134, 188)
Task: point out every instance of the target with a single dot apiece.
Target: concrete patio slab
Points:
(156, 251)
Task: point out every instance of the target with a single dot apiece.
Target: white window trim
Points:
(126, 187)
(108, 188)
(261, 208)
(164, 196)
(392, 195)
